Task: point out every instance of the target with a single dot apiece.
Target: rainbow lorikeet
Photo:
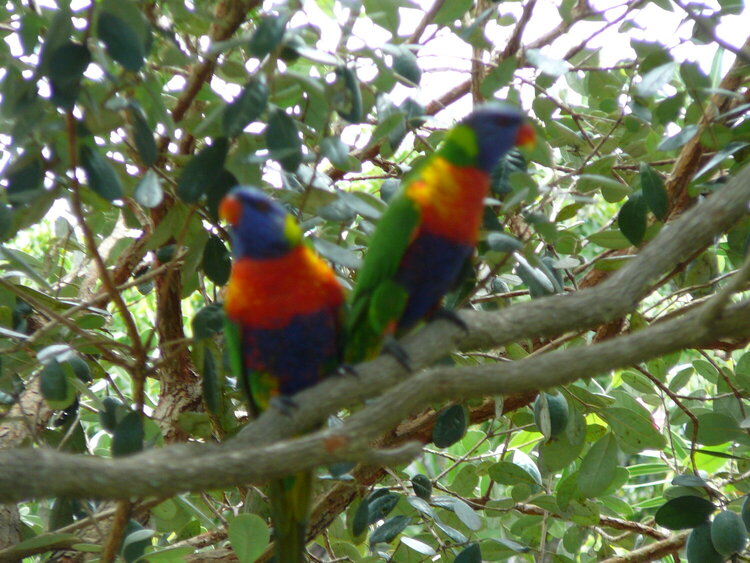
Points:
(284, 310)
(429, 230)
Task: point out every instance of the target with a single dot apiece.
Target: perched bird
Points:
(284, 311)
(429, 230)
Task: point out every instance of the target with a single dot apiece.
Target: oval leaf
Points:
(450, 426)
(471, 554)
(55, 387)
(202, 170)
(216, 261)
(598, 467)
(422, 486)
(247, 107)
(282, 138)
(123, 43)
(128, 436)
(249, 536)
(728, 533)
(100, 175)
(267, 36)
(143, 137)
(699, 548)
(632, 218)
(684, 512)
(391, 528)
(652, 187)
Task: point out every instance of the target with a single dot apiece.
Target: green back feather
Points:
(395, 231)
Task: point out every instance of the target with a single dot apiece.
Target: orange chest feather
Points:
(451, 200)
(268, 293)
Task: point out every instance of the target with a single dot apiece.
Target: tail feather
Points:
(290, 510)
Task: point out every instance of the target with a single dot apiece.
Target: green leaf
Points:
(112, 413)
(654, 193)
(676, 141)
(55, 387)
(58, 33)
(381, 506)
(100, 175)
(551, 414)
(451, 532)
(560, 451)
(632, 218)
(361, 518)
(246, 107)
(449, 12)
(508, 473)
(422, 486)
(418, 546)
(463, 511)
(598, 467)
(388, 530)
(699, 548)
(143, 137)
(450, 426)
(384, 13)
(148, 192)
(728, 533)
(684, 512)
(67, 65)
(696, 82)
(128, 435)
(720, 157)
(501, 242)
(714, 428)
(208, 321)
(499, 76)
(249, 535)
(334, 149)
(634, 432)
(216, 261)
(470, 554)
(405, 65)
(282, 138)
(25, 178)
(137, 539)
(267, 36)
(202, 170)
(337, 254)
(217, 189)
(346, 97)
(655, 79)
(123, 43)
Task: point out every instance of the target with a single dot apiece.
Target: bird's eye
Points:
(502, 121)
(261, 205)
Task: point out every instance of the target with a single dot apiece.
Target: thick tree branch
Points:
(39, 472)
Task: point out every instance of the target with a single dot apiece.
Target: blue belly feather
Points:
(430, 268)
(298, 355)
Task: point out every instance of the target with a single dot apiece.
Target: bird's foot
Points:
(397, 352)
(284, 404)
(450, 316)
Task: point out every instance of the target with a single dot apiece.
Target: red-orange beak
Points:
(526, 136)
(230, 209)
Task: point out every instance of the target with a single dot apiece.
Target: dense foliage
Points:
(124, 122)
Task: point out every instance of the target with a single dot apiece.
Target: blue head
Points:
(260, 227)
(498, 128)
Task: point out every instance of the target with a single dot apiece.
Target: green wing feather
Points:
(392, 236)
